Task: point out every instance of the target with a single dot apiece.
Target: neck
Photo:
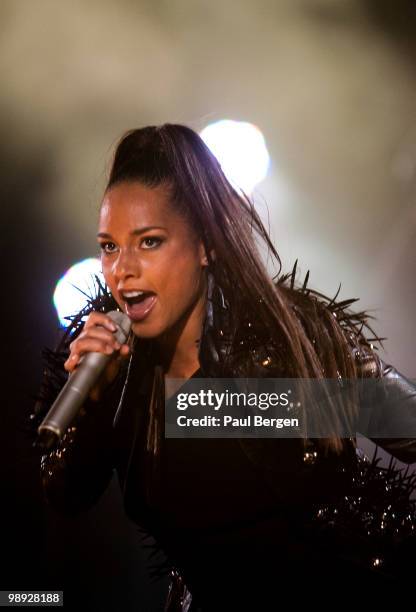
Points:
(178, 348)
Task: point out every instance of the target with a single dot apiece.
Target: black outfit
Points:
(238, 519)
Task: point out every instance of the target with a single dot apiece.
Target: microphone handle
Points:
(76, 390)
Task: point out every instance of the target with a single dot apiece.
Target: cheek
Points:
(110, 282)
(182, 284)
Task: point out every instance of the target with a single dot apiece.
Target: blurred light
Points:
(241, 151)
(68, 297)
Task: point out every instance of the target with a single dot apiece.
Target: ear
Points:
(203, 256)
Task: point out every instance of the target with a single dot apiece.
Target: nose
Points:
(126, 265)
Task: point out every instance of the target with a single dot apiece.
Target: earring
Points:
(214, 346)
(210, 309)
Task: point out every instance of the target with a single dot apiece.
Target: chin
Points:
(146, 330)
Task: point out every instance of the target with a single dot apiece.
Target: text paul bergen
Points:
(227, 421)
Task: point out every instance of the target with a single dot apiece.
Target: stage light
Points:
(241, 151)
(68, 296)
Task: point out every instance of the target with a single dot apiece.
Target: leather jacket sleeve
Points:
(391, 404)
(78, 470)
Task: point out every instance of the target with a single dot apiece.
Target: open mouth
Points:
(139, 306)
(138, 298)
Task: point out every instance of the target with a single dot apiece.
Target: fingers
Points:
(96, 336)
(100, 318)
(124, 350)
(92, 345)
(94, 333)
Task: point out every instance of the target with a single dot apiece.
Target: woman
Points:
(179, 257)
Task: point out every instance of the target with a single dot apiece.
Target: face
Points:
(147, 246)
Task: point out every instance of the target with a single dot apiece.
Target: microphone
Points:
(79, 384)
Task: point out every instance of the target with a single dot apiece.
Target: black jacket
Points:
(76, 473)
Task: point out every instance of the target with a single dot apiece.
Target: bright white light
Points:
(241, 151)
(68, 297)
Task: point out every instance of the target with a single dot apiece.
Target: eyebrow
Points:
(135, 232)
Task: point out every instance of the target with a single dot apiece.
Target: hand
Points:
(97, 335)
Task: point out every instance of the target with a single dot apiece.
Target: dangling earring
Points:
(214, 346)
(210, 310)
(217, 306)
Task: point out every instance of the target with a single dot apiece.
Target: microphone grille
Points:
(123, 322)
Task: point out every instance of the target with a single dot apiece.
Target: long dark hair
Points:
(314, 346)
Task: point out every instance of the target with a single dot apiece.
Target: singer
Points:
(233, 517)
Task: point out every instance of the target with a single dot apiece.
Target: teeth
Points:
(132, 294)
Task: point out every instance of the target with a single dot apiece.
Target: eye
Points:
(104, 245)
(151, 242)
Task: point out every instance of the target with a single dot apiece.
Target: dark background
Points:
(331, 85)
